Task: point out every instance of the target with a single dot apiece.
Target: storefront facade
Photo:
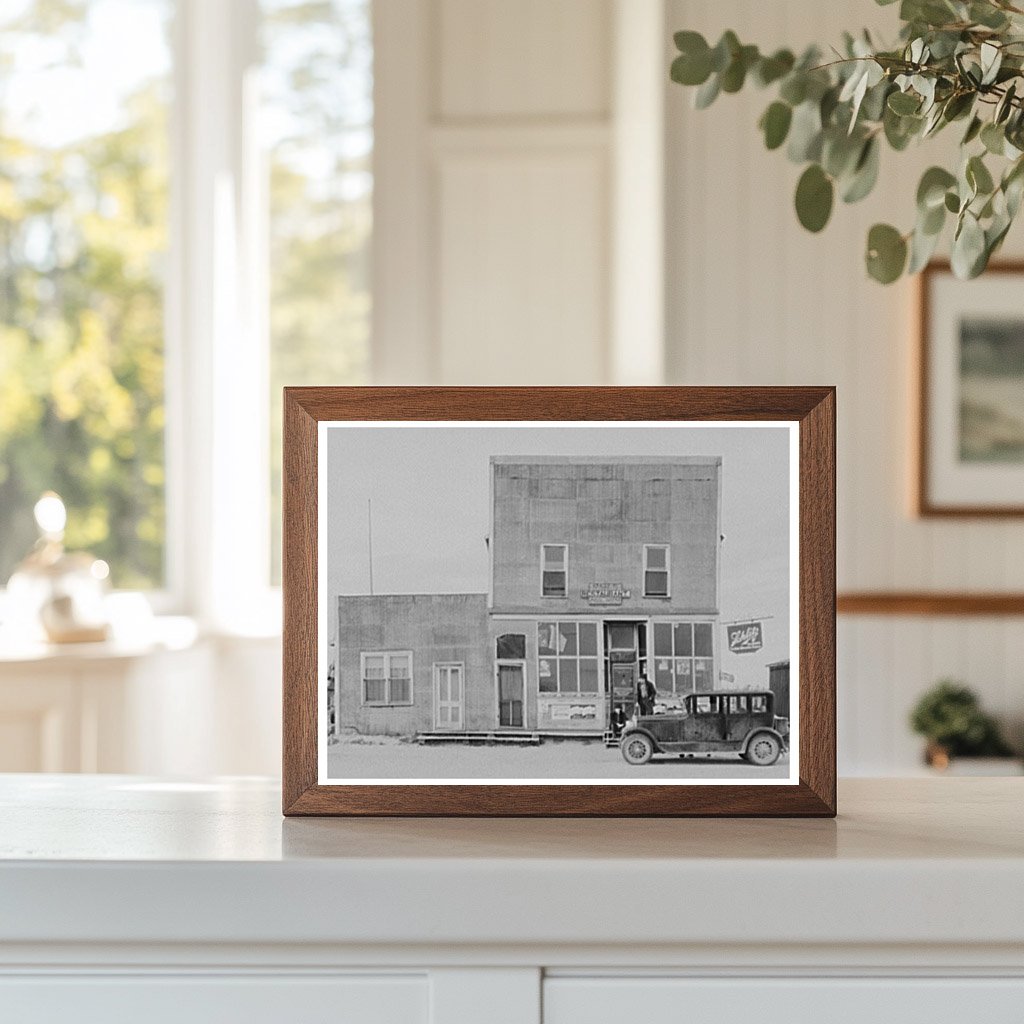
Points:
(600, 570)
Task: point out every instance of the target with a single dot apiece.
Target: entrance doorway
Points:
(448, 695)
(625, 645)
(511, 676)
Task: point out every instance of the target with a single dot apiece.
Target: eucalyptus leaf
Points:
(775, 124)
(904, 103)
(865, 173)
(968, 247)
(707, 93)
(931, 190)
(771, 69)
(724, 51)
(987, 15)
(794, 88)
(805, 133)
(973, 130)
(991, 60)
(978, 176)
(886, 253)
(922, 248)
(814, 195)
(993, 138)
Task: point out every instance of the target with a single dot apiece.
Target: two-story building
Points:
(601, 569)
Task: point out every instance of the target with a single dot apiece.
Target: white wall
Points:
(754, 299)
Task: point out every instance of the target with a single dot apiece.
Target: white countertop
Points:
(122, 859)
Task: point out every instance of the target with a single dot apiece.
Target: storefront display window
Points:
(683, 657)
(567, 657)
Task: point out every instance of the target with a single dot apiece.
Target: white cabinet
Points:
(125, 899)
(217, 1000)
(824, 1000)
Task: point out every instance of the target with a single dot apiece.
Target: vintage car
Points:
(724, 721)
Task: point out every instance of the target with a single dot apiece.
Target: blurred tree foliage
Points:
(82, 230)
(82, 242)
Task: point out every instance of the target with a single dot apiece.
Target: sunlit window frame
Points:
(216, 340)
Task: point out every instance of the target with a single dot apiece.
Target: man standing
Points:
(645, 696)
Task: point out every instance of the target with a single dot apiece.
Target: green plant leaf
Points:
(978, 176)
(794, 89)
(973, 130)
(725, 49)
(968, 255)
(805, 133)
(993, 138)
(886, 253)
(775, 124)
(693, 65)
(839, 151)
(865, 173)
(771, 69)
(814, 194)
(987, 15)
(904, 103)
(922, 247)
(952, 202)
(735, 74)
(931, 191)
(707, 93)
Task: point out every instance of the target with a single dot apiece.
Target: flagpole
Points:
(369, 537)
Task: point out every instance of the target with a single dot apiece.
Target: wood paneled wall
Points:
(753, 298)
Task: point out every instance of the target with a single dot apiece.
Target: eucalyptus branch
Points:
(955, 61)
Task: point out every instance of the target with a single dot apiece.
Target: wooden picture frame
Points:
(810, 414)
(942, 489)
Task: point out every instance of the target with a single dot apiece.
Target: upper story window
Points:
(387, 677)
(657, 570)
(554, 570)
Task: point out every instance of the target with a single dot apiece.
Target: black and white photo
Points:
(558, 602)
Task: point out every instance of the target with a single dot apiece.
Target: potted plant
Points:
(956, 62)
(950, 718)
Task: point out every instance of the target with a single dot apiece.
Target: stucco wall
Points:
(436, 628)
(606, 512)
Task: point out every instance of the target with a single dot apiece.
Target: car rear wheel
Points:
(637, 748)
(763, 749)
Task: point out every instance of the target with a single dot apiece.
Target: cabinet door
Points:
(202, 999)
(569, 1000)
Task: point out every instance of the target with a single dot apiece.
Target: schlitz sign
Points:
(605, 593)
(745, 637)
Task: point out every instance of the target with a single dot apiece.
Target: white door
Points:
(448, 696)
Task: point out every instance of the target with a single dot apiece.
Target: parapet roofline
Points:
(606, 460)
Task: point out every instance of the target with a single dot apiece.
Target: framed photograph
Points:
(970, 450)
(559, 601)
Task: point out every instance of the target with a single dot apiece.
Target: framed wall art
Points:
(970, 445)
(559, 601)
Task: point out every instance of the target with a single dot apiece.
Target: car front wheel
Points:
(637, 748)
(763, 749)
